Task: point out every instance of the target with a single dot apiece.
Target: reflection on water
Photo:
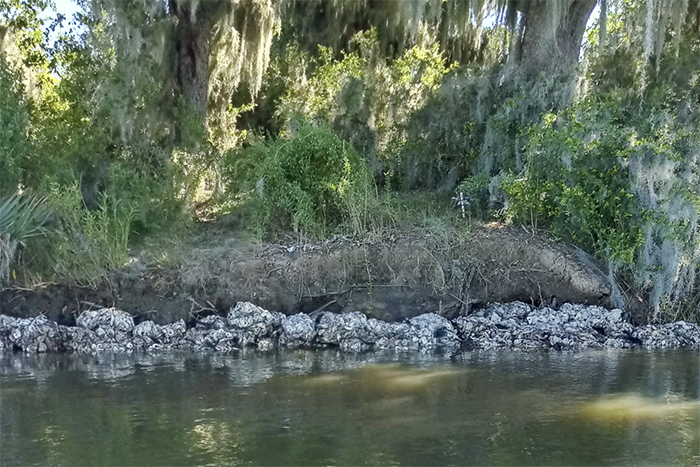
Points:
(330, 408)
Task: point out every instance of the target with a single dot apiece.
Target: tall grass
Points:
(88, 244)
(8, 250)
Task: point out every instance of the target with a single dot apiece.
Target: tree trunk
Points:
(551, 41)
(549, 47)
(193, 32)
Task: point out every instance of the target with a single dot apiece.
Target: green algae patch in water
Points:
(634, 407)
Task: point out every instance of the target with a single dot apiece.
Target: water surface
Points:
(329, 408)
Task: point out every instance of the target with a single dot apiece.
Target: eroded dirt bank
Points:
(390, 278)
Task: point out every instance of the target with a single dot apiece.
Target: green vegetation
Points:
(89, 242)
(312, 182)
(147, 117)
(22, 218)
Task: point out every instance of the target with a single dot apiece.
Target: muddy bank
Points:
(512, 326)
(390, 278)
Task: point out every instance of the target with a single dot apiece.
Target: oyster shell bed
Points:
(506, 326)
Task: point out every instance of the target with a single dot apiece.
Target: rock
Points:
(85, 341)
(250, 325)
(41, 336)
(497, 326)
(668, 336)
(221, 340)
(329, 328)
(211, 322)
(253, 319)
(354, 326)
(112, 330)
(150, 336)
(297, 330)
(148, 330)
(572, 327)
(478, 332)
(201, 338)
(33, 335)
(688, 333)
(173, 333)
(265, 345)
(434, 331)
(376, 330)
(9, 334)
(353, 345)
(334, 328)
(108, 318)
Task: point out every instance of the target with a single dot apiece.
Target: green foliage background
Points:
(94, 125)
(14, 116)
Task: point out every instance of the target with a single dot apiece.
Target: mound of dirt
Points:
(390, 278)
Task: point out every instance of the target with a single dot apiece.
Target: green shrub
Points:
(311, 182)
(473, 188)
(87, 244)
(625, 191)
(579, 190)
(157, 199)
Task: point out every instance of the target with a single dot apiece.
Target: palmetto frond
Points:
(23, 217)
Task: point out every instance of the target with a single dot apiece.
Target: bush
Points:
(625, 191)
(475, 191)
(311, 182)
(156, 199)
(87, 244)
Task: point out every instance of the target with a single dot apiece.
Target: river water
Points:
(328, 408)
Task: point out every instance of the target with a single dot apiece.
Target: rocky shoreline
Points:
(497, 326)
(392, 278)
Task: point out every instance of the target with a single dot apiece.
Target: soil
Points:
(395, 276)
